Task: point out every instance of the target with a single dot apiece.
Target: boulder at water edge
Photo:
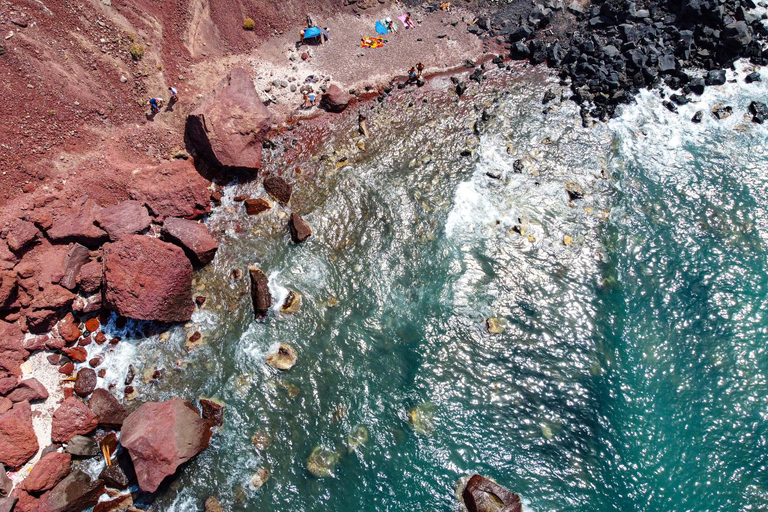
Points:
(148, 279)
(18, 442)
(481, 494)
(191, 236)
(279, 188)
(76, 492)
(260, 296)
(228, 126)
(171, 189)
(300, 230)
(335, 99)
(160, 436)
(126, 218)
(109, 411)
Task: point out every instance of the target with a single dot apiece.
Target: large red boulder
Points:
(160, 436)
(260, 296)
(72, 417)
(49, 471)
(148, 279)
(12, 351)
(228, 127)
(90, 277)
(126, 218)
(18, 442)
(335, 99)
(279, 188)
(78, 225)
(171, 189)
(191, 236)
(75, 493)
(28, 390)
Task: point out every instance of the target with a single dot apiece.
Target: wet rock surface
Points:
(260, 295)
(283, 358)
(299, 229)
(278, 188)
(160, 436)
(480, 494)
(109, 411)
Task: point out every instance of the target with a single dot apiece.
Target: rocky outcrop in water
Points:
(299, 229)
(148, 279)
(260, 296)
(228, 127)
(160, 436)
(279, 188)
(481, 494)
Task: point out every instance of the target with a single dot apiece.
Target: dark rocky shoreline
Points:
(608, 51)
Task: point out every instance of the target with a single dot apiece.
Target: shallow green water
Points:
(630, 375)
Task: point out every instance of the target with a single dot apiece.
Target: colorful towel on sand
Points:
(381, 28)
(372, 42)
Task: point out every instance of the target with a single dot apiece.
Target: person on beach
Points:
(408, 22)
(306, 103)
(156, 105)
(420, 68)
(312, 99)
(174, 95)
(390, 25)
(411, 74)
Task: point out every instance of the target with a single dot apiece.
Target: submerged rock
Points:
(722, 111)
(260, 296)
(292, 302)
(481, 494)
(284, 358)
(358, 437)
(160, 436)
(260, 478)
(256, 206)
(322, 462)
(278, 188)
(421, 418)
(495, 325)
(575, 191)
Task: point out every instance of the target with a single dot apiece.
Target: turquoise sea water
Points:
(631, 373)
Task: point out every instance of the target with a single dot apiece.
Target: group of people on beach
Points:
(156, 104)
(415, 72)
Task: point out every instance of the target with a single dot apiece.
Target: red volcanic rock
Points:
(78, 225)
(76, 492)
(160, 436)
(49, 471)
(172, 189)
(110, 412)
(19, 234)
(148, 279)
(26, 503)
(7, 259)
(12, 351)
(28, 390)
(335, 99)
(299, 229)
(68, 328)
(90, 277)
(228, 127)
(7, 384)
(72, 417)
(85, 382)
(191, 236)
(92, 324)
(77, 256)
(8, 286)
(212, 411)
(18, 442)
(100, 338)
(256, 206)
(5, 405)
(126, 218)
(76, 354)
(279, 188)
